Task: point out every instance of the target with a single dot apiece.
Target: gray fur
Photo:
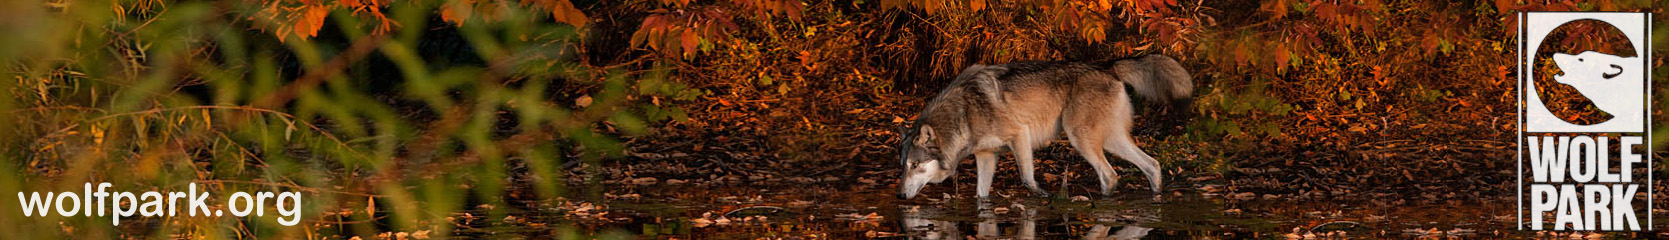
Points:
(1025, 105)
(1154, 76)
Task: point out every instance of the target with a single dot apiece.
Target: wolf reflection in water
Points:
(921, 224)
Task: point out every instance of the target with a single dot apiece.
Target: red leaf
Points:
(689, 41)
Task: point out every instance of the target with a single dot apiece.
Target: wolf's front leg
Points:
(986, 162)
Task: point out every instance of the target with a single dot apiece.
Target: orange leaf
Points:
(449, 14)
(1276, 9)
(311, 20)
(1501, 72)
(1379, 75)
(1502, 6)
(1241, 55)
(565, 12)
(1281, 57)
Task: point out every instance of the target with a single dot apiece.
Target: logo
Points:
(1584, 131)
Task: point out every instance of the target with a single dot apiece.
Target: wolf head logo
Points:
(1610, 81)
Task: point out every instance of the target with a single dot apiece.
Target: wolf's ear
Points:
(925, 137)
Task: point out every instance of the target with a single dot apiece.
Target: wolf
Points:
(1024, 105)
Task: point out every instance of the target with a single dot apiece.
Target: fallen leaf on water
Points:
(722, 221)
(585, 207)
(583, 101)
(875, 234)
(623, 196)
(370, 206)
(857, 217)
(1211, 188)
(701, 222)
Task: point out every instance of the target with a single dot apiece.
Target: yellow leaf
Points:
(98, 135)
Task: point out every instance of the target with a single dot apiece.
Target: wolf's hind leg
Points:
(1087, 136)
(1120, 145)
(1023, 157)
(1104, 171)
(1118, 142)
(986, 162)
(1086, 124)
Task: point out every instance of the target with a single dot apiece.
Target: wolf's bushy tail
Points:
(1156, 78)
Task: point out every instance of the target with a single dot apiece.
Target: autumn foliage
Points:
(1306, 77)
(404, 102)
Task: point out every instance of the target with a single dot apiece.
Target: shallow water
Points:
(799, 211)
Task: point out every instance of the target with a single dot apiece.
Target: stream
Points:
(788, 211)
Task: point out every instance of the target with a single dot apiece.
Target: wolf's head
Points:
(1608, 80)
(923, 161)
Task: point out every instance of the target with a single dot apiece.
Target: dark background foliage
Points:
(383, 110)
